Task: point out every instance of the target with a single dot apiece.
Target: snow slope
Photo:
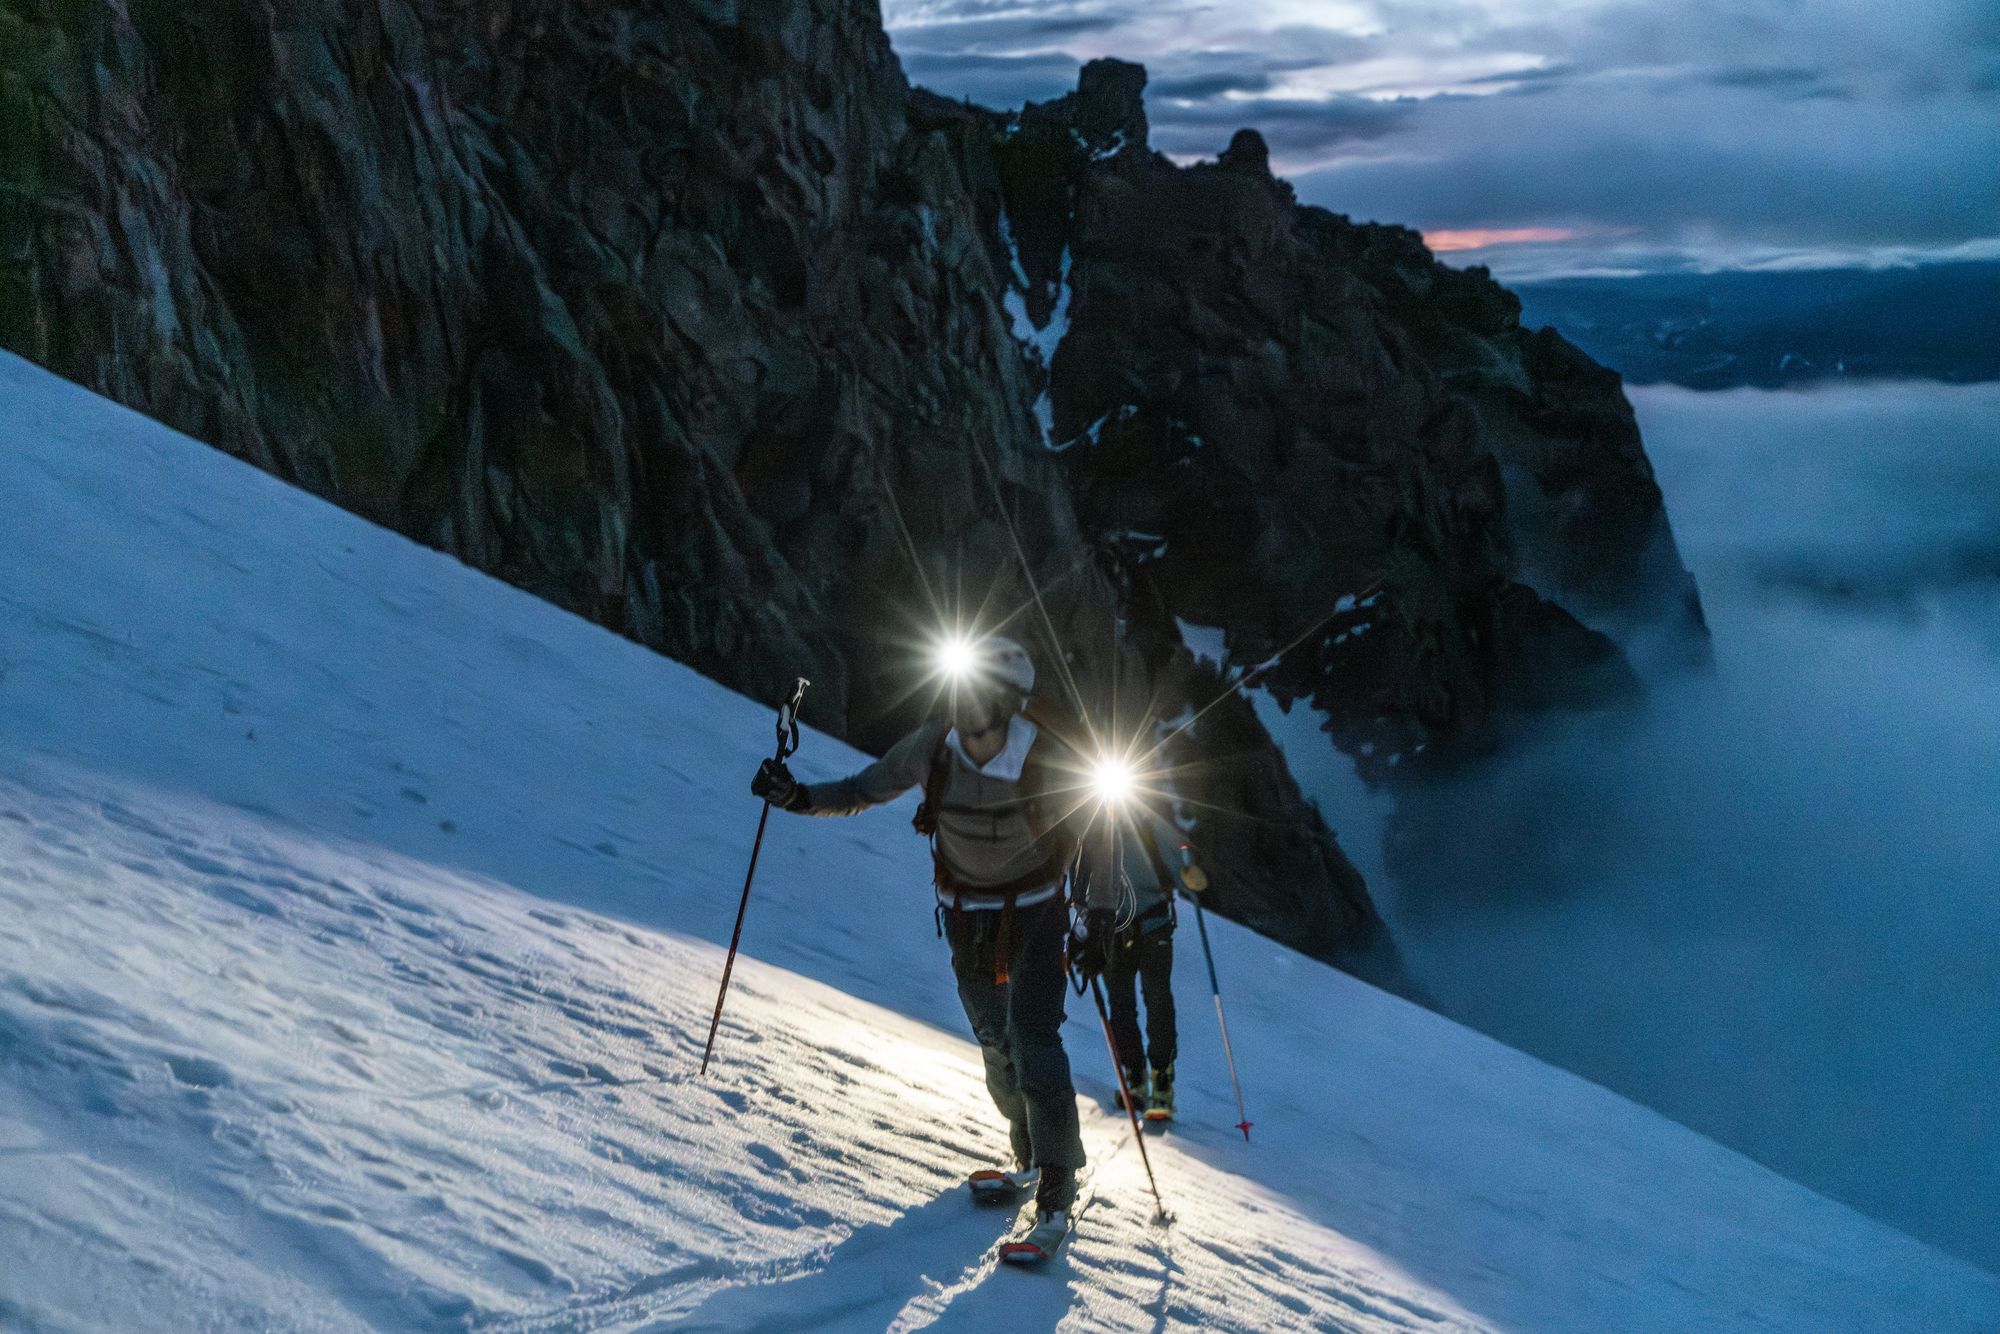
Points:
(358, 923)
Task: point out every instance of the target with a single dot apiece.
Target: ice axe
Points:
(788, 742)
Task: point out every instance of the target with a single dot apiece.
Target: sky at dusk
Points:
(1551, 137)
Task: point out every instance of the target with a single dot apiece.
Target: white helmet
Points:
(1003, 661)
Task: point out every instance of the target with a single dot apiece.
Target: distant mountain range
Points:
(1719, 330)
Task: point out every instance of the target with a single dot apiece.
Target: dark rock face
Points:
(594, 297)
(1291, 414)
(692, 317)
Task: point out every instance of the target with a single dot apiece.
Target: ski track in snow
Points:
(358, 923)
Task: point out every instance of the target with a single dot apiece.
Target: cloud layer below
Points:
(1764, 905)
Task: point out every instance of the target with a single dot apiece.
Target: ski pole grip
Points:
(788, 719)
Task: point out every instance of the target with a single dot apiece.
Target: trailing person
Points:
(1141, 964)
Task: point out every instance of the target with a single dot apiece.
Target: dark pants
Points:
(1019, 1026)
(1148, 960)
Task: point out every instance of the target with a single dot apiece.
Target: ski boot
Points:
(993, 1186)
(1135, 1081)
(1160, 1103)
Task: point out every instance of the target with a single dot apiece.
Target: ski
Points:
(1040, 1243)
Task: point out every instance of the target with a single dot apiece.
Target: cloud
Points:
(1297, 130)
(1542, 78)
(1715, 906)
(1660, 128)
(1006, 32)
(1765, 76)
(994, 81)
(1737, 170)
(1206, 87)
(1485, 238)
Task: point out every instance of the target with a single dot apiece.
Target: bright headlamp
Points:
(955, 657)
(1113, 781)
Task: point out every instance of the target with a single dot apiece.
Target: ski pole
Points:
(1125, 1091)
(788, 742)
(1215, 987)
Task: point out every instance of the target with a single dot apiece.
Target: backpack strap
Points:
(925, 821)
(1053, 723)
(1003, 948)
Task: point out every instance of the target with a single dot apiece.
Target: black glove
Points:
(1090, 942)
(775, 784)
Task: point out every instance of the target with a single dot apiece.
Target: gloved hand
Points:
(1193, 879)
(1090, 942)
(775, 784)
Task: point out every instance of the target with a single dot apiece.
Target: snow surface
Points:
(1208, 643)
(358, 933)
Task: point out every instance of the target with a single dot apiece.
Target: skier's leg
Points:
(1121, 982)
(1034, 1032)
(986, 1010)
(1156, 974)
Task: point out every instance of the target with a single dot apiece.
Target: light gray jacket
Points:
(986, 830)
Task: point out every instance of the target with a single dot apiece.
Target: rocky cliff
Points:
(1289, 414)
(691, 316)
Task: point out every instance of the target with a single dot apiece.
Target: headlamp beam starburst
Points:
(1113, 781)
(955, 656)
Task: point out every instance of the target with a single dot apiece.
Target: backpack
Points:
(1159, 920)
(1052, 724)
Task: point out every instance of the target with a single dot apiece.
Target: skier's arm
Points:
(1098, 868)
(903, 768)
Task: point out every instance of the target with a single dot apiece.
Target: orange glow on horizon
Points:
(1478, 238)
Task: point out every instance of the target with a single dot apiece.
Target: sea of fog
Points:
(1770, 905)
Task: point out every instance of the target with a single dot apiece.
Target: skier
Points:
(999, 777)
(1141, 962)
